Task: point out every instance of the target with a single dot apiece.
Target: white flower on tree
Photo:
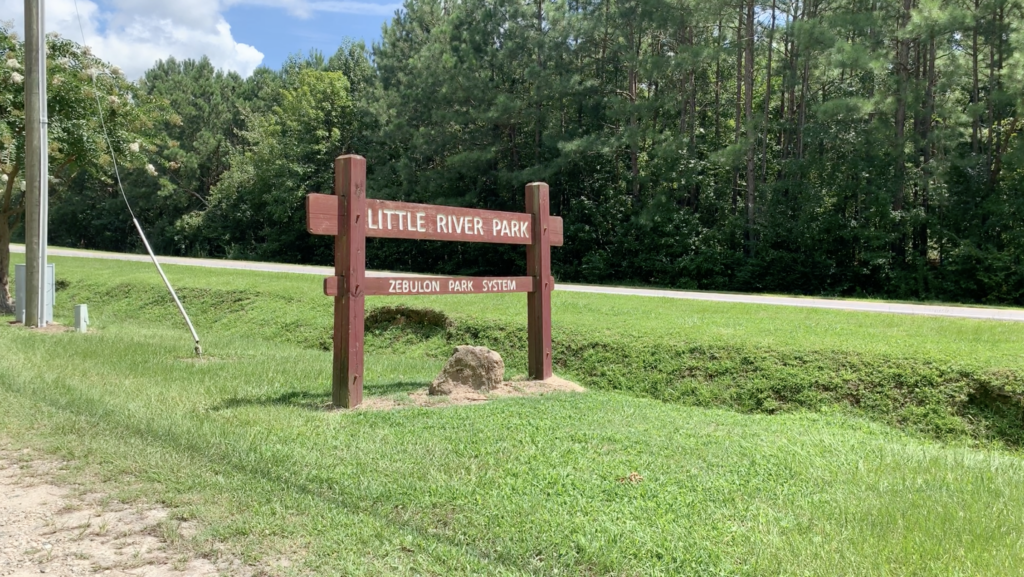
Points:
(134, 147)
(17, 78)
(151, 169)
(13, 64)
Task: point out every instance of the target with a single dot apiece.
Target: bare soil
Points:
(51, 328)
(469, 396)
(48, 528)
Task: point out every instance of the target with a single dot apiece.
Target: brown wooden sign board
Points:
(350, 217)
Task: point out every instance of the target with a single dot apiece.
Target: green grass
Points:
(241, 443)
(948, 378)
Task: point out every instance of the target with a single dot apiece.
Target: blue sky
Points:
(278, 34)
(236, 35)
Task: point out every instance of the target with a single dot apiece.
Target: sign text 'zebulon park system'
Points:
(351, 217)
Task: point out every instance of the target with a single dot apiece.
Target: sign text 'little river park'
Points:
(351, 217)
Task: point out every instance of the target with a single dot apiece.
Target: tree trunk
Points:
(997, 119)
(738, 118)
(684, 93)
(752, 131)
(768, 94)
(6, 212)
(804, 88)
(718, 88)
(976, 118)
(540, 67)
(902, 80)
(634, 120)
(805, 83)
(6, 302)
(926, 145)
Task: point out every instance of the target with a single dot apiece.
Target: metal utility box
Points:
(19, 293)
(81, 318)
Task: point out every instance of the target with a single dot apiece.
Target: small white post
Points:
(81, 318)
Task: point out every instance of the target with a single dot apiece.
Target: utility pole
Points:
(36, 165)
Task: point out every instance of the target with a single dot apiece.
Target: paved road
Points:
(818, 303)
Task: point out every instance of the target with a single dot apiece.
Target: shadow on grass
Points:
(314, 401)
(385, 389)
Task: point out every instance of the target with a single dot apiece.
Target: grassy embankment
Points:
(522, 486)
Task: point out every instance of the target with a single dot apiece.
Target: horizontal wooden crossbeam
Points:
(437, 285)
(390, 219)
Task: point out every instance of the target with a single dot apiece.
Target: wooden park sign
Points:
(351, 217)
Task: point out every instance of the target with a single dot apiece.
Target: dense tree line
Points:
(851, 147)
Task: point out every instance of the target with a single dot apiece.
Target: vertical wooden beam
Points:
(350, 268)
(538, 265)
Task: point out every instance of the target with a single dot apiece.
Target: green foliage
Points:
(846, 149)
(257, 209)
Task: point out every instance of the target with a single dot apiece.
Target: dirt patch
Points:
(52, 529)
(468, 396)
(197, 359)
(52, 328)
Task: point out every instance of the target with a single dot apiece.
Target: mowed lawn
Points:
(242, 443)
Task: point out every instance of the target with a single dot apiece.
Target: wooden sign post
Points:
(350, 217)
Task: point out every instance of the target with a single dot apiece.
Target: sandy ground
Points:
(54, 529)
(467, 396)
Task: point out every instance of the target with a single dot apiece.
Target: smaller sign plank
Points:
(436, 285)
(390, 219)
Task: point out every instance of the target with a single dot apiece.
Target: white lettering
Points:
(421, 225)
(458, 225)
(401, 223)
(499, 285)
(369, 220)
(414, 286)
(478, 226)
(504, 228)
(515, 228)
(389, 213)
(442, 224)
(496, 227)
(524, 226)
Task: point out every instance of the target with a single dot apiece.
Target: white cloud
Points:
(306, 8)
(134, 34)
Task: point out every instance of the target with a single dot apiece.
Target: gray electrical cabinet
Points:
(19, 293)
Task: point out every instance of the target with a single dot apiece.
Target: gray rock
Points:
(477, 368)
